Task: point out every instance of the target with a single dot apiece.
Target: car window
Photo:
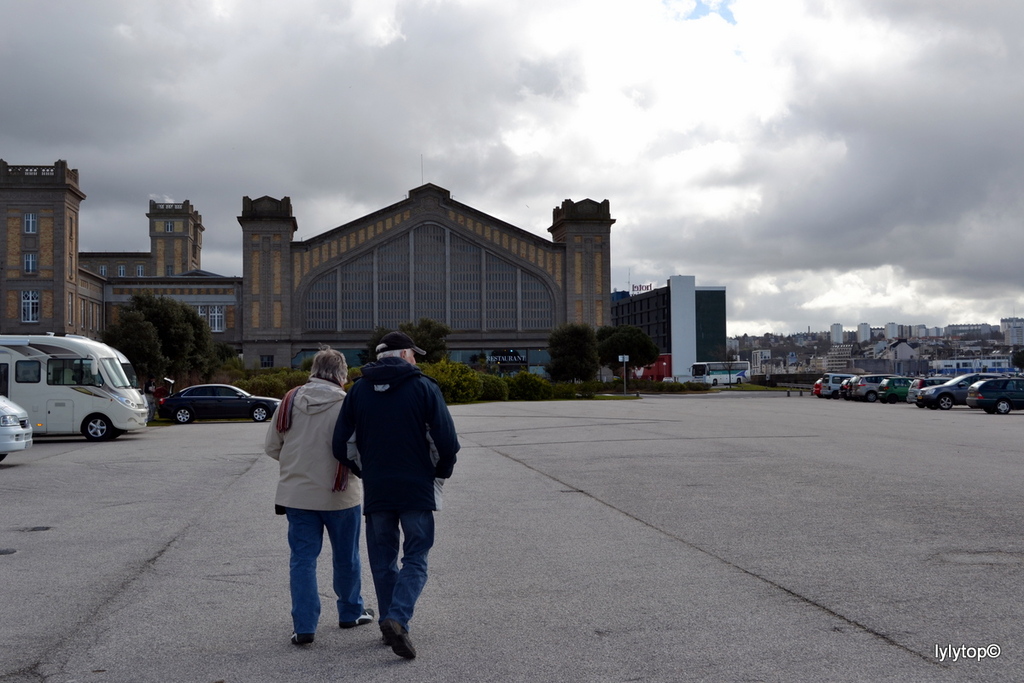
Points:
(199, 391)
(994, 385)
(227, 392)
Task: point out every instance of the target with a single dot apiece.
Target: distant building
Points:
(685, 321)
(1013, 331)
(863, 333)
(836, 333)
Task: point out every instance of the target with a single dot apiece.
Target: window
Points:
(168, 270)
(213, 315)
(71, 371)
(120, 271)
(31, 223)
(140, 270)
(266, 361)
(71, 309)
(30, 306)
(27, 371)
(103, 271)
(168, 226)
(31, 263)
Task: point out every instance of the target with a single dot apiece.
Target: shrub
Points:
(526, 386)
(494, 388)
(588, 389)
(459, 383)
(563, 391)
(264, 385)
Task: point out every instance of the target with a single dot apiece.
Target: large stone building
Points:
(500, 288)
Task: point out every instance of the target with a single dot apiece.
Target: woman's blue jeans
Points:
(305, 538)
(398, 590)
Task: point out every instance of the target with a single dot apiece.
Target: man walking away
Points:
(395, 432)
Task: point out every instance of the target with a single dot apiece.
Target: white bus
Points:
(725, 372)
(70, 385)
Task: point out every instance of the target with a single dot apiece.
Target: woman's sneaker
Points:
(365, 618)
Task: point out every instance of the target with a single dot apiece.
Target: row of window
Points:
(140, 271)
(30, 299)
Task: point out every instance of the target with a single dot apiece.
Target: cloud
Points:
(825, 161)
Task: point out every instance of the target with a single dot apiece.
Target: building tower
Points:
(40, 277)
(176, 237)
(267, 229)
(585, 228)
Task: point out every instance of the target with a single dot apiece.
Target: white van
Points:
(70, 385)
(830, 383)
(15, 430)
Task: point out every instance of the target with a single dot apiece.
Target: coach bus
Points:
(70, 384)
(725, 372)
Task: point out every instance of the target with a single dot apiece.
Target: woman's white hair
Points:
(330, 365)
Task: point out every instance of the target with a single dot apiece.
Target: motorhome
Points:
(70, 385)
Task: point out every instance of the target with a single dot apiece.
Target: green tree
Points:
(183, 339)
(137, 338)
(573, 351)
(625, 340)
(428, 334)
(1018, 359)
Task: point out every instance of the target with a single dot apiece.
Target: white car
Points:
(15, 430)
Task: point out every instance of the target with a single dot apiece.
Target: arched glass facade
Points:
(429, 272)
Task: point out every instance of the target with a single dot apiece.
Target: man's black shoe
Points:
(365, 618)
(398, 638)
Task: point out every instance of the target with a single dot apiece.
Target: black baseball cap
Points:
(393, 341)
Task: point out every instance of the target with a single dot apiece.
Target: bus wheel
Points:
(2, 456)
(98, 428)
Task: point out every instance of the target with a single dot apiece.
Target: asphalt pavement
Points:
(670, 538)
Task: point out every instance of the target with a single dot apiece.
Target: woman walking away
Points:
(316, 492)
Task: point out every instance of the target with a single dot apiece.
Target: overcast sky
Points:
(825, 160)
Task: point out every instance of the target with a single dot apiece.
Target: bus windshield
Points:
(112, 369)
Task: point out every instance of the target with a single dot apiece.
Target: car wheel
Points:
(871, 397)
(98, 428)
(945, 402)
(990, 411)
(260, 414)
(920, 405)
(1003, 406)
(2, 456)
(893, 399)
(183, 415)
(835, 394)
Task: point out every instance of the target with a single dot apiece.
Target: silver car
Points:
(865, 387)
(15, 429)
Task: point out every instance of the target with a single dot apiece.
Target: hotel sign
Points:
(640, 289)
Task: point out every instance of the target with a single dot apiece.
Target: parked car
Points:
(817, 388)
(830, 383)
(15, 429)
(845, 390)
(894, 389)
(866, 387)
(951, 393)
(997, 395)
(216, 402)
(919, 384)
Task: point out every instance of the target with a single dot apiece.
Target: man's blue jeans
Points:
(305, 538)
(398, 590)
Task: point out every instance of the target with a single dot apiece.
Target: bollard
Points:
(801, 392)
(787, 392)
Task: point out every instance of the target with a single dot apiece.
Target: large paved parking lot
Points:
(719, 538)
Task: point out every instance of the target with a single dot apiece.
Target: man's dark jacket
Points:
(404, 437)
